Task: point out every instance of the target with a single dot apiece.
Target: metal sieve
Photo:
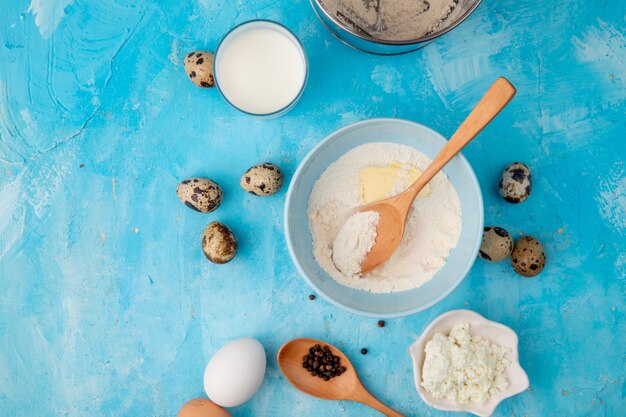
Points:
(391, 27)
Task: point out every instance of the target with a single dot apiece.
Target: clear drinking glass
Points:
(261, 68)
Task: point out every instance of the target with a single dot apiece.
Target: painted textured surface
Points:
(107, 305)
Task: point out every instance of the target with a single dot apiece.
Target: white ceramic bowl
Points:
(490, 330)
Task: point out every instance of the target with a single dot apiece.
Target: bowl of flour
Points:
(365, 162)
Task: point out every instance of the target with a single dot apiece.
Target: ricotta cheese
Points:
(464, 368)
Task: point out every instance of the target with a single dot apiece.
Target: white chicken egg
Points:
(235, 373)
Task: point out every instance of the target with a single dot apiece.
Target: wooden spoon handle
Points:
(364, 397)
(494, 100)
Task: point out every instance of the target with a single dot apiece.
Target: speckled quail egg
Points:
(262, 180)
(515, 184)
(528, 257)
(219, 243)
(497, 244)
(199, 68)
(201, 194)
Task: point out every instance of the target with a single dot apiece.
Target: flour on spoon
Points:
(354, 241)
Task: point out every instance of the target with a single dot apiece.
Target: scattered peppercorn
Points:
(322, 363)
(363, 351)
(312, 297)
(381, 323)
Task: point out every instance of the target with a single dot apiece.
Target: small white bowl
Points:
(490, 330)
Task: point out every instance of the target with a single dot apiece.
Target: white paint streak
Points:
(308, 29)
(388, 78)
(611, 199)
(159, 95)
(12, 215)
(349, 117)
(448, 76)
(620, 266)
(44, 184)
(30, 129)
(174, 54)
(602, 43)
(601, 51)
(603, 48)
(48, 14)
(573, 126)
(455, 61)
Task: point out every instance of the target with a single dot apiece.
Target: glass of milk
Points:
(260, 68)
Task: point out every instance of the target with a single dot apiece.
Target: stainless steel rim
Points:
(394, 43)
(332, 32)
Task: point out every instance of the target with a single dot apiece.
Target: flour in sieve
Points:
(396, 20)
(432, 231)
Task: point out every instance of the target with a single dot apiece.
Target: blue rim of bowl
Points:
(303, 275)
(306, 68)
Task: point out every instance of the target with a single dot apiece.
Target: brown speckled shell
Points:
(200, 194)
(515, 183)
(497, 244)
(219, 243)
(262, 180)
(201, 407)
(528, 257)
(199, 68)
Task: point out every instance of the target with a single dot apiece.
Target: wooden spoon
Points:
(393, 211)
(347, 386)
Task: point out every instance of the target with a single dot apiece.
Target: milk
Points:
(260, 68)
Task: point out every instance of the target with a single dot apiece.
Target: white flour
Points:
(432, 231)
(397, 20)
(355, 240)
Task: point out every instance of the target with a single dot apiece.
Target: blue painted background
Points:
(107, 305)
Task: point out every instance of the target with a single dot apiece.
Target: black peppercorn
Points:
(381, 323)
(363, 351)
(312, 297)
(322, 363)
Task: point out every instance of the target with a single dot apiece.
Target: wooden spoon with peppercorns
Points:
(340, 382)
